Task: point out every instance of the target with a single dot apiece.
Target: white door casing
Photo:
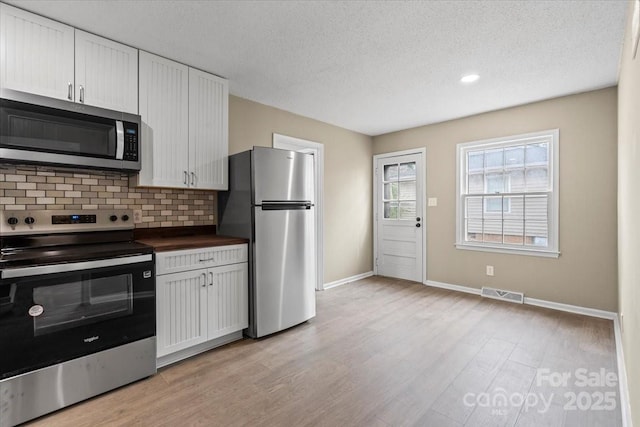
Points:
(399, 215)
(317, 150)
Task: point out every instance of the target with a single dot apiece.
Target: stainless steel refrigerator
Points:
(271, 202)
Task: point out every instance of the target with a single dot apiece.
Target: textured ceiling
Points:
(373, 66)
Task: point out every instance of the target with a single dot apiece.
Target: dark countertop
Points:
(176, 238)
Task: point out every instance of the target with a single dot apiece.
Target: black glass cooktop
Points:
(44, 250)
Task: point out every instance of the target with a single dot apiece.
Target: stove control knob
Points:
(113, 218)
(13, 220)
(125, 218)
(29, 220)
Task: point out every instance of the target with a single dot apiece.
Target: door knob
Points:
(418, 219)
(418, 225)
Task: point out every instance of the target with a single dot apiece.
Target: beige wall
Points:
(347, 179)
(585, 274)
(629, 215)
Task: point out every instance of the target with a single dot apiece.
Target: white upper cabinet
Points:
(47, 58)
(185, 126)
(164, 110)
(208, 130)
(106, 73)
(36, 54)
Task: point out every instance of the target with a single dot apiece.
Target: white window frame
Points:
(551, 136)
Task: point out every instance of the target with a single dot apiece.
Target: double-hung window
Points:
(507, 194)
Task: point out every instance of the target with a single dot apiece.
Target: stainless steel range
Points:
(77, 309)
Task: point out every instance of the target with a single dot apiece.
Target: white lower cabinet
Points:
(201, 308)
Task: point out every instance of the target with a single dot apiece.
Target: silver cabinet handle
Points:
(193, 179)
(82, 94)
(185, 177)
(211, 275)
(70, 92)
(204, 283)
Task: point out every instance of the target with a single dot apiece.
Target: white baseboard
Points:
(347, 280)
(451, 287)
(533, 301)
(593, 312)
(625, 404)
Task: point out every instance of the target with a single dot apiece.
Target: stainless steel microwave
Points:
(41, 130)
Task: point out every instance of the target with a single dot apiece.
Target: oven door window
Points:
(81, 302)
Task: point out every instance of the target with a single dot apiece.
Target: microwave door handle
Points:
(119, 140)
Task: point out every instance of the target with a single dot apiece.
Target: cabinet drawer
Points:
(191, 259)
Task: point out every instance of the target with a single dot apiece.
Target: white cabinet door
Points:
(181, 301)
(164, 107)
(36, 54)
(106, 73)
(228, 300)
(208, 130)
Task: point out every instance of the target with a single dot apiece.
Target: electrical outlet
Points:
(137, 216)
(489, 270)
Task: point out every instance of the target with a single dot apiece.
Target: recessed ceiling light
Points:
(469, 78)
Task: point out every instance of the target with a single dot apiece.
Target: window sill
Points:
(511, 251)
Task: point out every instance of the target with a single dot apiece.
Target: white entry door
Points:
(399, 216)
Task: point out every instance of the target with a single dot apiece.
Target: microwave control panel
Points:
(130, 142)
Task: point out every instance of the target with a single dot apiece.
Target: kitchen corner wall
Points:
(347, 179)
(585, 274)
(24, 187)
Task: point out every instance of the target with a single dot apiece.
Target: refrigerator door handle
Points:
(286, 206)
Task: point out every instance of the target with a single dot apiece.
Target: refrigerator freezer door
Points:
(285, 268)
(280, 175)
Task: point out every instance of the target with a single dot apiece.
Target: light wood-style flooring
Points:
(381, 352)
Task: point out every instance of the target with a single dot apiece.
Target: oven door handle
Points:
(75, 266)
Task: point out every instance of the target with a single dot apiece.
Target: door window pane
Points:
(407, 190)
(408, 170)
(391, 191)
(390, 172)
(407, 210)
(391, 210)
(400, 191)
